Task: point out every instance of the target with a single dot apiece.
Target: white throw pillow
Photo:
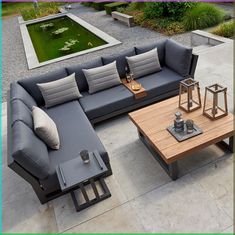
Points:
(144, 64)
(45, 128)
(60, 91)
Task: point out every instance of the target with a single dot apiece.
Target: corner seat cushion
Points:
(17, 92)
(30, 84)
(160, 49)
(121, 60)
(79, 75)
(105, 102)
(29, 151)
(76, 133)
(160, 83)
(178, 57)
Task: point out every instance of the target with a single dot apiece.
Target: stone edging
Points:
(199, 37)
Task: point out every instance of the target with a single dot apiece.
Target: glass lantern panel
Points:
(195, 101)
(184, 95)
(209, 102)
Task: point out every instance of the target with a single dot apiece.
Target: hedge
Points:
(113, 6)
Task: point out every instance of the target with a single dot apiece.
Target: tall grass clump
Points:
(225, 30)
(202, 15)
(45, 9)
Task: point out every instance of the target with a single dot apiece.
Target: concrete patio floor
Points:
(144, 199)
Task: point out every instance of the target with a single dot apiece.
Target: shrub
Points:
(137, 5)
(225, 30)
(99, 6)
(203, 15)
(114, 6)
(174, 10)
(87, 4)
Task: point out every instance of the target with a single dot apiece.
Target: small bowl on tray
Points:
(136, 87)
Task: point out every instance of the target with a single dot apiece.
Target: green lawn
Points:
(10, 8)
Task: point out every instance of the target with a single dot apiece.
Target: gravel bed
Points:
(14, 65)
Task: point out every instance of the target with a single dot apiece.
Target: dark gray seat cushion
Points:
(121, 60)
(17, 92)
(30, 84)
(178, 57)
(29, 151)
(79, 75)
(160, 49)
(107, 101)
(160, 83)
(76, 133)
(20, 112)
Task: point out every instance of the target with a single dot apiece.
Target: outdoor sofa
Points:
(75, 119)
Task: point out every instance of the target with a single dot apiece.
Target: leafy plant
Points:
(203, 15)
(46, 26)
(60, 31)
(174, 10)
(67, 45)
(225, 30)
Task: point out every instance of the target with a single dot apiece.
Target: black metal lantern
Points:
(189, 95)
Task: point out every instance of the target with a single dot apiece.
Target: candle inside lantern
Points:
(190, 98)
(215, 102)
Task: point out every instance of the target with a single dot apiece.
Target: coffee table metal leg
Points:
(171, 169)
(229, 146)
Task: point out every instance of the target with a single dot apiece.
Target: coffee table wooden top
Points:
(137, 94)
(153, 120)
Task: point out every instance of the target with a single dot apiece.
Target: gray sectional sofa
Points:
(29, 157)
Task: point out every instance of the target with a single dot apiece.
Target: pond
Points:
(61, 36)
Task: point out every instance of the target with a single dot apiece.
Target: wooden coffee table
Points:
(153, 120)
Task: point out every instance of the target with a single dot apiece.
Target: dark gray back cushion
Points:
(20, 112)
(17, 92)
(29, 151)
(160, 49)
(30, 84)
(121, 60)
(79, 75)
(178, 57)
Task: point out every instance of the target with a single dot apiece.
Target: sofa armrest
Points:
(193, 65)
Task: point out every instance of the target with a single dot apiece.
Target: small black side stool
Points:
(74, 174)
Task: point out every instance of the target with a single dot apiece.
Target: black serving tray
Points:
(181, 136)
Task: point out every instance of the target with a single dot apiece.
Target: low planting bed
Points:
(173, 17)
